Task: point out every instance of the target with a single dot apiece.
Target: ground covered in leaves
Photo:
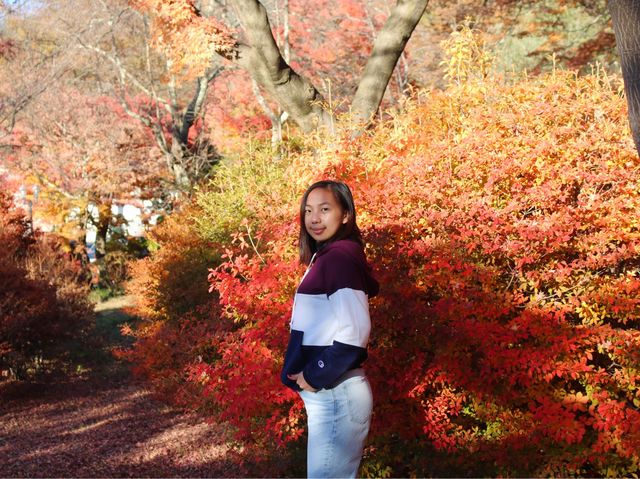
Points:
(104, 425)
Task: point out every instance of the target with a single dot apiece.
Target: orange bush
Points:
(179, 317)
(172, 282)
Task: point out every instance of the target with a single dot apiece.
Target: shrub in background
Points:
(169, 284)
(111, 270)
(500, 218)
(500, 221)
(49, 262)
(178, 315)
(43, 298)
(29, 315)
(114, 271)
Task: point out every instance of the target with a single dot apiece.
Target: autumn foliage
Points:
(185, 36)
(500, 220)
(43, 299)
(178, 316)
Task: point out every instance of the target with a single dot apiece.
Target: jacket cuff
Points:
(309, 382)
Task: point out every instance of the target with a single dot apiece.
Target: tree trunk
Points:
(104, 221)
(176, 159)
(294, 93)
(186, 166)
(387, 48)
(262, 58)
(625, 15)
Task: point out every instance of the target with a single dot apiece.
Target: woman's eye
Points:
(325, 209)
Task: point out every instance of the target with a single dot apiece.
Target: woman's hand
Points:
(299, 379)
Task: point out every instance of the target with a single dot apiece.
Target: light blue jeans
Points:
(338, 421)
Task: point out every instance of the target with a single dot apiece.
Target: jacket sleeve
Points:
(293, 360)
(351, 309)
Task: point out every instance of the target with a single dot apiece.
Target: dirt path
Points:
(105, 426)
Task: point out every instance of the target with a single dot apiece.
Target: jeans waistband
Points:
(352, 373)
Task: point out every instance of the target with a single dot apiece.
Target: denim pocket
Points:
(359, 399)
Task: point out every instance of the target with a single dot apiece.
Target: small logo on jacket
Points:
(321, 363)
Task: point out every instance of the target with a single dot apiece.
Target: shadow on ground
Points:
(105, 425)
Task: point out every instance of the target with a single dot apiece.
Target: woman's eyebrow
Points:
(319, 204)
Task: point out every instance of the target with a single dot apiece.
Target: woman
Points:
(330, 328)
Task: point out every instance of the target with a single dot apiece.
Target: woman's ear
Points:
(345, 218)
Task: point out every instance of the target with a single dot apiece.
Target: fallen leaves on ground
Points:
(89, 429)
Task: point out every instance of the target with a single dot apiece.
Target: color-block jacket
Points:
(330, 323)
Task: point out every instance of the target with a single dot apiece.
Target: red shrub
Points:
(26, 306)
(501, 224)
(42, 302)
(161, 351)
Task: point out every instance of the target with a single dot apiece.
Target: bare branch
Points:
(195, 106)
(125, 74)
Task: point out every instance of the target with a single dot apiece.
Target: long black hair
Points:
(349, 230)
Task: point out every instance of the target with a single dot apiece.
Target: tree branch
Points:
(625, 15)
(195, 106)
(263, 60)
(387, 48)
(124, 73)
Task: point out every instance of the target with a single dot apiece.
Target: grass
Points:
(108, 325)
(92, 355)
(99, 295)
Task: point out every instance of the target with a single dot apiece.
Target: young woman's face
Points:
(323, 215)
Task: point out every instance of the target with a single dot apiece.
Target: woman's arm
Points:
(351, 309)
